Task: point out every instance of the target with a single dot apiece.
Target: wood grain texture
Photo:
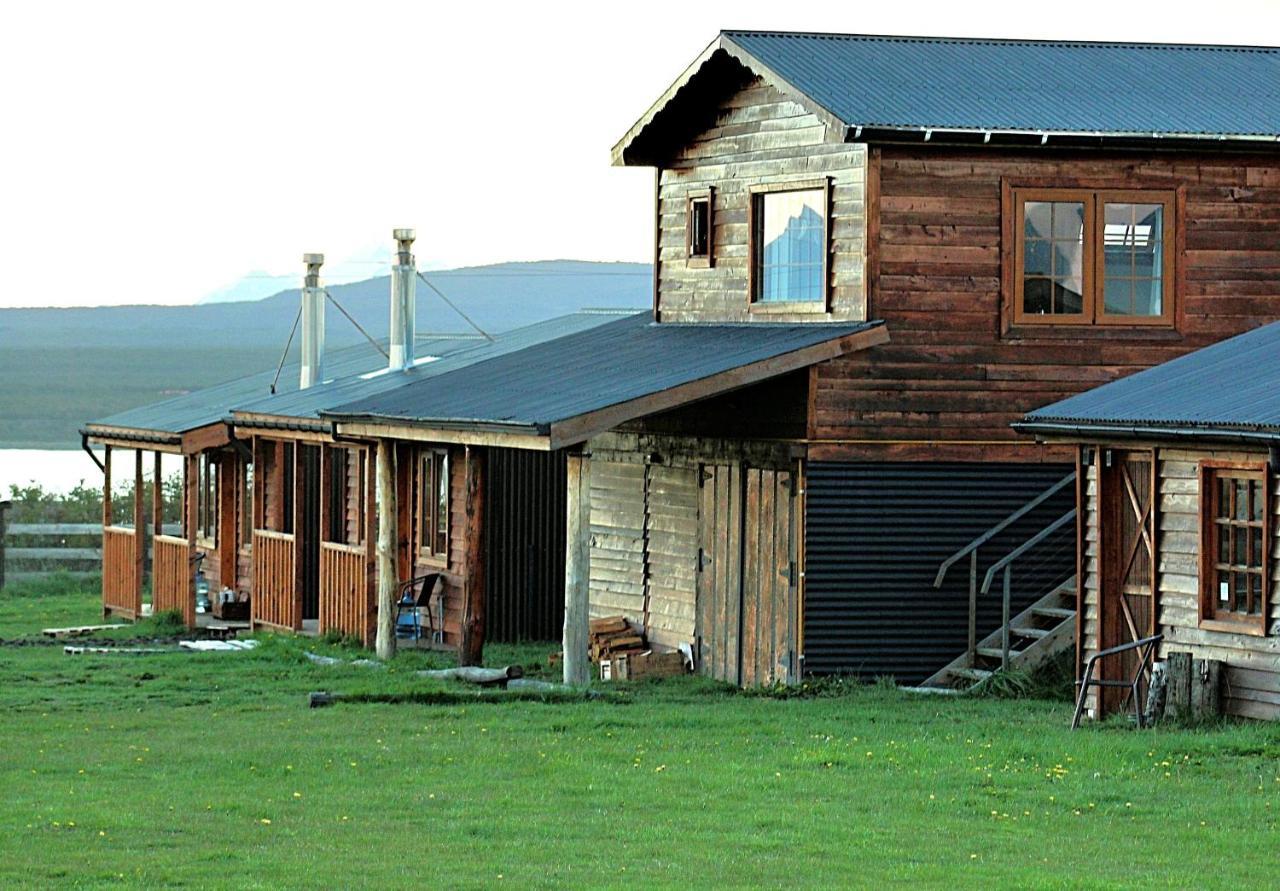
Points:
(951, 371)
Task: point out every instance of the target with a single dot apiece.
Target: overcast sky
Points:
(154, 153)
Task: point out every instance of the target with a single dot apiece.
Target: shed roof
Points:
(347, 373)
(566, 390)
(919, 84)
(1231, 388)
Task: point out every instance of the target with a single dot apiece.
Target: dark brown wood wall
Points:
(950, 372)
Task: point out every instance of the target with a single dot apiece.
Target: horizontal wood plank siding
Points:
(1251, 684)
(671, 537)
(759, 137)
(617, 573)
(950, 372)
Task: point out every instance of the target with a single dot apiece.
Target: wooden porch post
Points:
(577, 570)
(471, 647)
(157, 501)
(385, 644)
(106, 521)
(229, 470)
(139, 528)
(190, 520)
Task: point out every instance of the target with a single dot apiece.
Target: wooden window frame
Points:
(207, 473)
(755, 196)
(1093, 281)
(351, 492)
(1210, 471)
(427, 527)
(707, 260)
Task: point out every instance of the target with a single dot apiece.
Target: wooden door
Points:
(1127, 537)
(746, 590)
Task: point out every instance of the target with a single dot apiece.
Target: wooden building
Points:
(1178, 510)
(1015, 245)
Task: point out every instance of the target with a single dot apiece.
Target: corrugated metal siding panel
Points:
(525, 535)
(671, 537)
(875, 536)
(617, 576)
(1028, 85)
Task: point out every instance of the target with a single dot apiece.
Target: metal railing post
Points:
(973, 607)
(1004, 620)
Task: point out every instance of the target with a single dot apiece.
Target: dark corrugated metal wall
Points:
(525, 534)
(875, 536)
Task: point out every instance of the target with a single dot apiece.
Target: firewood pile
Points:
(613, 637)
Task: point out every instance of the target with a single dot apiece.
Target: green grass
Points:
(209, 770)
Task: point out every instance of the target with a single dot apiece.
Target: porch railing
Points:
(275, 599)
(171, 577)
(345, 602)
(121, 582)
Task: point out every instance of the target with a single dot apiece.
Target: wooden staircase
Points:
(1038, 633)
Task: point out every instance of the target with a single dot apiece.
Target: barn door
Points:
(746, 590)
(1128, 535)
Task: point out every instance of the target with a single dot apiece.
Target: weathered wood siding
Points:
(1251, 687)
(759, 136)
(671, 543)
(950, 372)
(617, 575)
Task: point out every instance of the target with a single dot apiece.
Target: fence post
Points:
(4, 511)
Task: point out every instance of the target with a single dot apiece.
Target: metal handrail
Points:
(1005, 563)
(1002, 525)
(1087, 680)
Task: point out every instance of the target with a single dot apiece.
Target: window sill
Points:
(1253, 627)
(698, 262)
(432, 560)
(1034, 331)
(789, 307)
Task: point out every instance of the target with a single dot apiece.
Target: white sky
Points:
(154, 152)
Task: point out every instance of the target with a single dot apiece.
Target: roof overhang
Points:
(720, 54)
(1083, 431)
(575, 430)
(188, 442)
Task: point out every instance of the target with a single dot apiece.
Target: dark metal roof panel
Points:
(582, 373)
(1029, 85)
(1232, 385)
(341, 389)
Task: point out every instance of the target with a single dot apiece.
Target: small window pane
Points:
(1255, 593)
(1037, 296)
(1067, 296)
(791, 232)
(1240, 540)
(1224, 589)
(1241, 505)
(699, 227)
(1255, 500)
(1037, 257)
(1224, 543)
(442, 505)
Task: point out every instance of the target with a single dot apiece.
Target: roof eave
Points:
(619, 154)
(1086, 430)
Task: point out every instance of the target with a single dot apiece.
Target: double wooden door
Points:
(746, 618)
(1127, 535)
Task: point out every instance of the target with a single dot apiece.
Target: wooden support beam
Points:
(139, 525)
(577, 570)
(471, 647)
(106, 486)
(229, 470)
(299, 530)
(370, 509)
(157, 497)
(190, 516)
(385, 642)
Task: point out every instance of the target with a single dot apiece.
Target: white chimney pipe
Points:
(403, 302)
(312, 370)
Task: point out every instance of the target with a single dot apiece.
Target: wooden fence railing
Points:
(345, 601)
(121, 585)
(171, 577)
(50, 548)
(275, 600)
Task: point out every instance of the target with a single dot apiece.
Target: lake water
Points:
(59, 470)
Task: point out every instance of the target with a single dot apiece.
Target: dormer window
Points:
(789, 246)
(699, 229)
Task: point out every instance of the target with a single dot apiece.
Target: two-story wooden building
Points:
(966, 230)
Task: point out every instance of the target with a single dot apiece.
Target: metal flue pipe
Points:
(312, 365)
(403, 298)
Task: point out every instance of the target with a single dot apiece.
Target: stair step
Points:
(1028, 631)
(1052, 612)
(997, 654)
(973, 674)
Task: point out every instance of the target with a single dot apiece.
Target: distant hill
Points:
(62, 366)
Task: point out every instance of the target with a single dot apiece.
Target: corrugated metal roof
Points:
(212, 405)
(582, 373)
(342, 389)
(1230, 386)
(1028, 85)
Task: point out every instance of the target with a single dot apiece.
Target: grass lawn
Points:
(209, 770)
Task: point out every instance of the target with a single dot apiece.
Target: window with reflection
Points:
(1093, 257)
(433, 504)
(789, 246)
(1235, 537)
